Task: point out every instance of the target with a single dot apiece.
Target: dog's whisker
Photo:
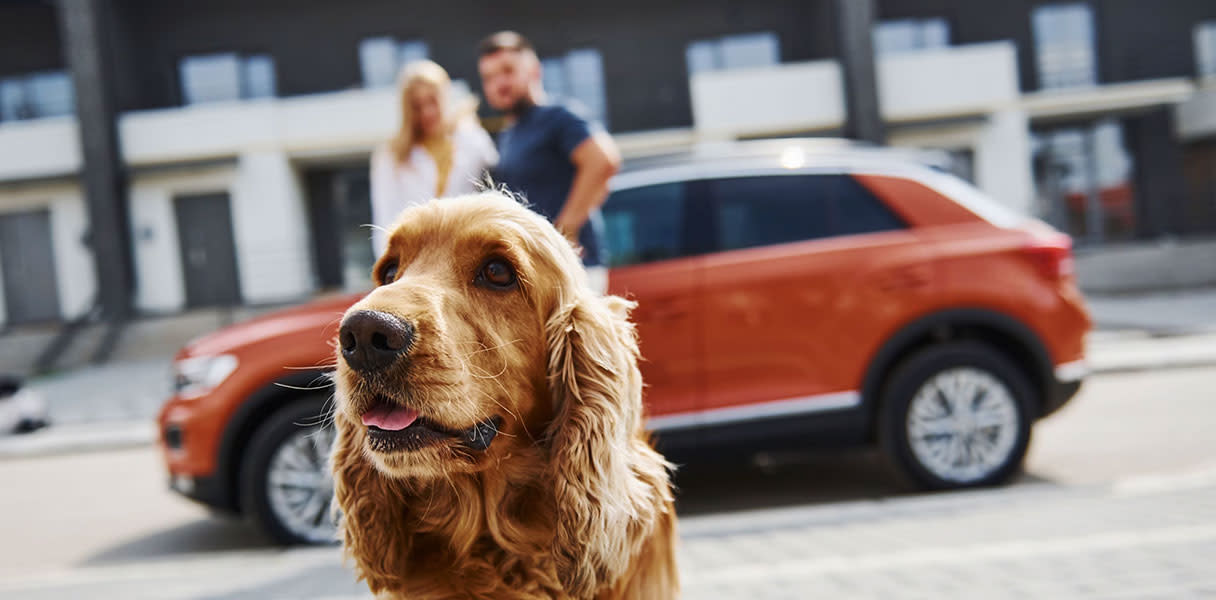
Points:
(302, 388)
(485, 348)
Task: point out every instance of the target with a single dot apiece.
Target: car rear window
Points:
(777, 209)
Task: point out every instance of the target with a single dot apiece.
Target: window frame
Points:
(714, 51)
(919, 25)
(19, 93)
(1049, 80)
(559, 67)
(1204, 40)
(400, 48)
(243, 80)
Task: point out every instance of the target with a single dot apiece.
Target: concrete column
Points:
(157, 250)
(270, 224)
(1003, 162)
(855, 47)
(83, 34)
(74, 264)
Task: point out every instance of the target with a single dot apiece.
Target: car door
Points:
(806, 268)
(652, 251)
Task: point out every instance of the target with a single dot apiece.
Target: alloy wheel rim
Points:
(962, 424)
(300, 485)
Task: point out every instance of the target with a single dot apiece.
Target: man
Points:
(552, 156)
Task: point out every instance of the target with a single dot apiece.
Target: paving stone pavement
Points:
(1150, 537)
(1124, 542)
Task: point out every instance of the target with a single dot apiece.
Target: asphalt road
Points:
(104, 525)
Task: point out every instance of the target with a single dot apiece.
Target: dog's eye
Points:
(388, 273)
(497, 273)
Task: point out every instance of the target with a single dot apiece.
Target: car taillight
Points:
(1051, 255)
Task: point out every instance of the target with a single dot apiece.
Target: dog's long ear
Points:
(609, 484)
(373, 517)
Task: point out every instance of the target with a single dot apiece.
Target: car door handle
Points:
(904, 279)
(664, 309)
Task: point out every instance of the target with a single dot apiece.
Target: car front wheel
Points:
(286, 484)
(957, 415)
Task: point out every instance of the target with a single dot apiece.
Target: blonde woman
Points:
(440, 149)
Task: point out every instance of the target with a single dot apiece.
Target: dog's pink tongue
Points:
(392, 418)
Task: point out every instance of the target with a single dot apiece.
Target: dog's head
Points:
(482, 350)
(444, 365)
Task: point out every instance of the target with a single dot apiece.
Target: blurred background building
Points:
(162, 155)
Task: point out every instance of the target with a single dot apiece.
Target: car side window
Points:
(765, 210)
(645, 224)
(777, 209)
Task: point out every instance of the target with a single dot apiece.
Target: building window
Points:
(578, 76)
(381, 58)
(1205, 49)
(908, 35)
(1084, 181)
(36, 95)
(1064, 44)
(227, 76)
(733, 52)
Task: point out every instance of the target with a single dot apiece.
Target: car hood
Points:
(302, 319)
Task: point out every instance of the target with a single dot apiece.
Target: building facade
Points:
(243, 128)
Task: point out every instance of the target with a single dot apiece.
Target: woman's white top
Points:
(396, 186)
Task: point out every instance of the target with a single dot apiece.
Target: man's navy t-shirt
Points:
(534, 160)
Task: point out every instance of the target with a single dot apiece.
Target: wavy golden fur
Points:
(569, 500)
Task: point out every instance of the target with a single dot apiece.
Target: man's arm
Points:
(595, 160)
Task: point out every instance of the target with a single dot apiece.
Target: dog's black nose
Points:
(372, 340)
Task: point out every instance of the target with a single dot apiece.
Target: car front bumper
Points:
(207, 490)
(187, 434)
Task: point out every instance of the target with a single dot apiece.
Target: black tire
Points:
(301, 417)
(918, 369)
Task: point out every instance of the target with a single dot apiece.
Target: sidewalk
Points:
(113, 405)
(1140, 537)
(1035, 541)
(1162, 313)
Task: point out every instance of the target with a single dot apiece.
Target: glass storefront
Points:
(1083, 181)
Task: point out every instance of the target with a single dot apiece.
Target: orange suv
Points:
(790, 293)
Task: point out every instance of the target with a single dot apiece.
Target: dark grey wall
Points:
(315, 42)
(1137, 39)
(29, 37)
(1149, 40)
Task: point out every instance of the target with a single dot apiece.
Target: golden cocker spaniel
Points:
(490, 429)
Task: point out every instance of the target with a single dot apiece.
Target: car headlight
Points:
(195, 376)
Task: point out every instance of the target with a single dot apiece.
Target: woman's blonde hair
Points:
(424, 72)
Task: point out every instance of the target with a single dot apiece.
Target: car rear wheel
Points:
(286, 485)
(957, 415)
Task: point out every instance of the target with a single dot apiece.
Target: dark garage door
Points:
(204, 231)
(30, 291)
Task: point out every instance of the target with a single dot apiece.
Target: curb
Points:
(1135, 352)
(78, 437)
